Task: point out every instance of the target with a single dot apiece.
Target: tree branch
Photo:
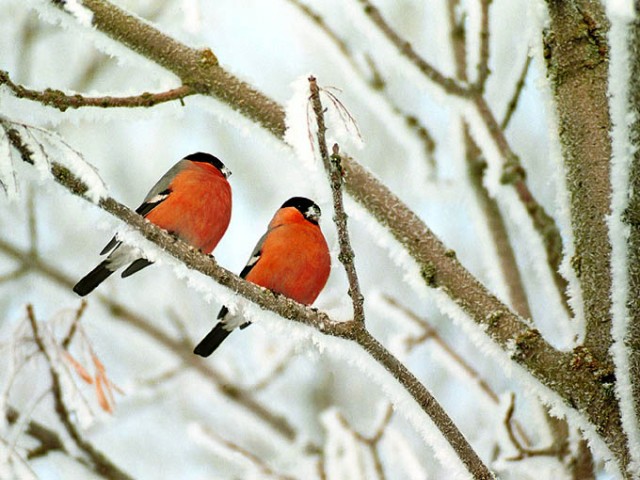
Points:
(198, 69)
(577, 56)
(333, 167)
(483, 64)
(62, 101)
(513, 102)
(449, 85)
(287, 308)
(48, 439)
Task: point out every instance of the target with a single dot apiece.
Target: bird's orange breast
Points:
(198, 209)
(295, 262)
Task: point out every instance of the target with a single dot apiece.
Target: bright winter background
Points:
(276, 400)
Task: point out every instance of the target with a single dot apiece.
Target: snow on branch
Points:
(36, 146)
(332, 165)
(62, 101)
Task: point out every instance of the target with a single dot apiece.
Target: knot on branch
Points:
(208, 58)
(526, 342)
(512, 171)
(428, 273)
(583, 359)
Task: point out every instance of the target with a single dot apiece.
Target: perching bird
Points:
(191, 201)
(292, 258)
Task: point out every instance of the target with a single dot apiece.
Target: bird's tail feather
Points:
(212, 341)
(92, 279)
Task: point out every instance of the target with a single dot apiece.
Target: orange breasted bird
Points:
(191, 201)
(292, 258)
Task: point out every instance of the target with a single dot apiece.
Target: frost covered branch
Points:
(578, 69)
(512, 171)
(102, 465)
(294, 311)
(476, 168)
(197, 68)
(291, 310)
(332, 165)
(62, 101)
(74, 325)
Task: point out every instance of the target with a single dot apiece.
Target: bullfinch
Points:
(292, 258)
(191, 201)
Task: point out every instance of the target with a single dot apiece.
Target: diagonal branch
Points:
(289, 309)
(448, 84)
(48, 439)
(197, 68)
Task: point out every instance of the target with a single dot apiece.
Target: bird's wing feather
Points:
(161, 190)
(254, 257)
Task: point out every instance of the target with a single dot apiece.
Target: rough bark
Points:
(576, 53)
(631, 217)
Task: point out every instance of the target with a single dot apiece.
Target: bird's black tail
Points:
(214, 338)
(92, 279)
(212, 341)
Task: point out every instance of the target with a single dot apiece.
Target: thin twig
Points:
(513, 103)
(447, 83)
(101, 463)
(483, 63)
(62, 101)
(275, 371)
(74, 325)
(32, 221)
(376, 80)
(371, 442)
(49, 441)
(554, 450)
(257, 462)
(13, 274)
(333, 167)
